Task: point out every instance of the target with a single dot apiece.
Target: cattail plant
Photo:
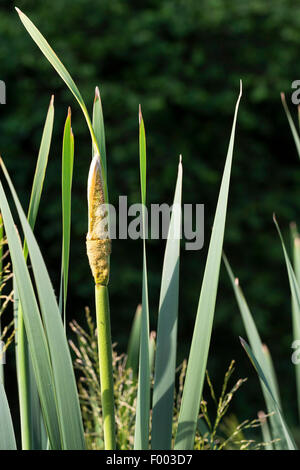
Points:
(98, 246)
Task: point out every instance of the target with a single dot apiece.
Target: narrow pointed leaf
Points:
(164, 377)
(289, 439)
(28, 394)
(7, 435)
(65, 385)
(260, 352)
(295, 293)
(141, 436)
(195, 374)
(295, 308)
(49, 53)
(67, 176)
(34, 328)
(98, 126)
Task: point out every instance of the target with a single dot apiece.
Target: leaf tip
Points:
(69, 111)
(152, 335)
(282, 96)
(241, 87)
(52, 100)
(140, 115)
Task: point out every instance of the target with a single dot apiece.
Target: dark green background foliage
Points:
(182, 60)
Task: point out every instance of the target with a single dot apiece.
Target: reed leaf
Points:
(69, 415)
(7, 435)
(164, 376)
(98, 126)
(141, 435)
(259, 350)
(295, 306)
(67, 176)
(34, 328)
(30, 409)
(49, 53)
(295, 293)
(289, 438)
(195, 374)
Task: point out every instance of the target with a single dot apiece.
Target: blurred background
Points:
(182, 60)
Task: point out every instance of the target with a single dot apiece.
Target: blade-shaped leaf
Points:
(65, 385)
(34, 328)
(260, 352)
(164, 377)
(141, 436)
(67, 176)
(28, 395)
(41, 166)
(295, 306)
(202, 332)
(289, 439)
(295, 292)
(98, 126)
(49, 53)
(7, 435)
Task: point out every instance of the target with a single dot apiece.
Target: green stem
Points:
(105, 365)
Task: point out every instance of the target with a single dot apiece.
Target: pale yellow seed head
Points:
(97, 214)
(97, 240)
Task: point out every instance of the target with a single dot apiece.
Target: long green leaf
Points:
(65, 385)
(67, 176)
(260, 352)
(202, 332)
(7, 435)
(28, 394)
(141, 436)
(289, 439)
(164, 377)
(295, 292)
(34, 328)
(295, 306)
(98, 126)
(49, 53)
(40, 170)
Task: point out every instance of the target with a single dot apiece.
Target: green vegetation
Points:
(53, 415)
